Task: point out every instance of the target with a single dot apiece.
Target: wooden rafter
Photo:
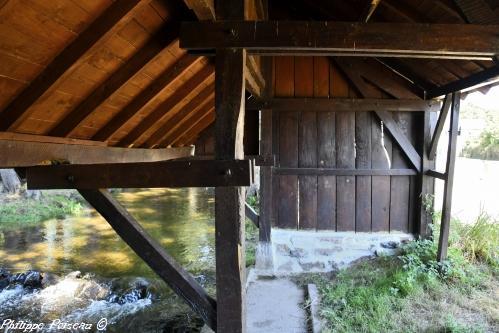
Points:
(175, 173)
(485, 75)
(169, 75)
(157, 43)
(111, 20)
(195, 131)
(369, 10)
(477, 11)
(393, 39)
(204, 9)
(158, 113)
(205, 96)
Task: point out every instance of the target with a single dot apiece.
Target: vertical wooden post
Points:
(266, 152)
(229, 201)
(449, 181)
(425, 183)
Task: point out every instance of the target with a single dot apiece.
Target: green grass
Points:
(251, 233)
(34, 211)
(412, 292)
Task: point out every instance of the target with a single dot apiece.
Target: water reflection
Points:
(181, 220)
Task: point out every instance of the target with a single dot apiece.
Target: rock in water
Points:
(10, 180)
(4, 278)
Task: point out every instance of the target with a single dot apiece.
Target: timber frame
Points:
(92, 93)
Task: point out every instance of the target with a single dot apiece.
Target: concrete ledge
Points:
(315, 302)
(296, 251)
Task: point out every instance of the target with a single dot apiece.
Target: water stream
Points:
(90, 273)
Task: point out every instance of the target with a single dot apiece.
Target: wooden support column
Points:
(443, 242)
(440, 126)
(230, 201)
(182, 283)
(425, 182)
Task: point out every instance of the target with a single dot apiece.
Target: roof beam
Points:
(196, 130)
(169, 75)
(158, 113)
(477, 11)
(465, 83)
(342, 38)
(114, 17)
(190, 122)
(157, 43)
(175, 173)
(205, 96)
(204, 9)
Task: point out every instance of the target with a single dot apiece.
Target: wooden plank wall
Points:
(308, 139)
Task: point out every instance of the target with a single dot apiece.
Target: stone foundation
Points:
(296, 251)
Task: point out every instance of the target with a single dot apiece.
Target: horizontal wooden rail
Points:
(202, 173)
(344, 172)
(345, 38)
(252, 215)
(342, 104)
(436, 174)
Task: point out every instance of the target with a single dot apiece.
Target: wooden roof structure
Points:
(113, 71)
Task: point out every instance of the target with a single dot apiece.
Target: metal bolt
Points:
(70, 178)
(228, 172)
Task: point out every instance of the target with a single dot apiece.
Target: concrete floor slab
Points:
(275, 306)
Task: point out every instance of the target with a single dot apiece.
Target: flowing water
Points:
(112, 282)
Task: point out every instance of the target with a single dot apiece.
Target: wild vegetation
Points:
(412, 292)
(34, 211)
(251, 232)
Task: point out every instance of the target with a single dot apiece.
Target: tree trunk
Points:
(10, 180)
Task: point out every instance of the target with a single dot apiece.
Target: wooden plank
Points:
(287, 146)
(190, 173)
(345, 158)
(20, 153)
(204, 9)
(252, 215)
(319, 104)
(110, 20)
(344, 172)
(204, 96)
(393, 39)
(132, 66)
(401, 139)
(326, 149)
(400, 185)
(169, 75)
(380, 160)
(48, 139)
(181, 282)
(307, 145)
(158, 113)
(443, 241)
(440, 126)
(193, 125)
(363, 123)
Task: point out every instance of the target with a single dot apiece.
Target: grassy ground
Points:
(251, 233)
(34, 211)
(411, 292)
